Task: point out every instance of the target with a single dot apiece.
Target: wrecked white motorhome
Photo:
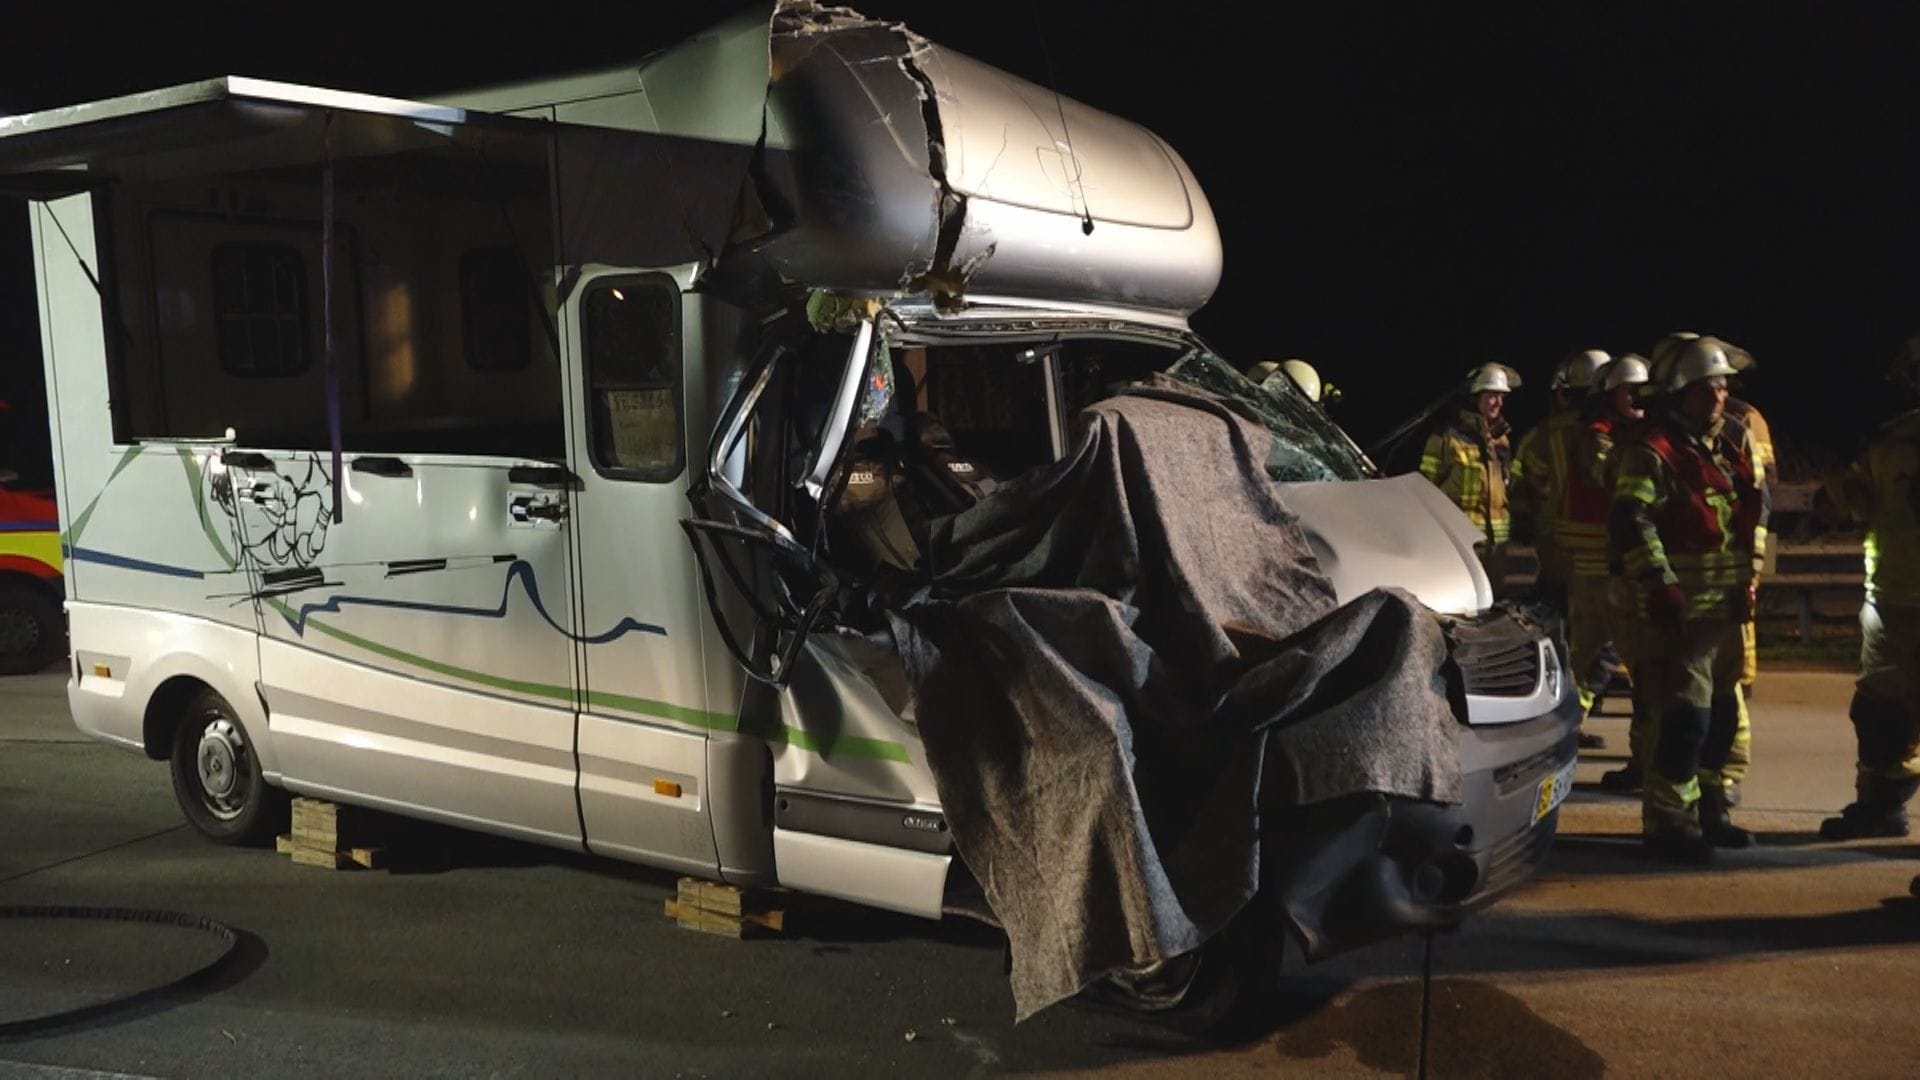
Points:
(383, 427)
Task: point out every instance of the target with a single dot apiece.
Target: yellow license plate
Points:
(1553, 791)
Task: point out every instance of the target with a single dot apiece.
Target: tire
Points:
(1217, 993)
(217, 778)
(33, 635)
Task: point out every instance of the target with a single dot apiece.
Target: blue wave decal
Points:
(124, 563)
(520, 570)
(28, 526)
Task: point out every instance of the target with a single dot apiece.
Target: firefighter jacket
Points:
(1882, 489)
(1537, 488)
(1685, 511)
(1468, 461)
(1759, 438)
(1588, 501)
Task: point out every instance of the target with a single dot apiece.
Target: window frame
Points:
(304, 314)
(590, 391)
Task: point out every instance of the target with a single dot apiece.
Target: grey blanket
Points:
(1123, 660)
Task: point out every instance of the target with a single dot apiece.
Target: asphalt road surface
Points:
(481, 957)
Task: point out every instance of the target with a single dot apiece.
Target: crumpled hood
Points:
(1400, 532)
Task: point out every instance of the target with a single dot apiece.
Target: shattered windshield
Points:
(1307, 445)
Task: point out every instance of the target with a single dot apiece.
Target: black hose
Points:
(34, 1025)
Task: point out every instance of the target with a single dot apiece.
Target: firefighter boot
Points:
(1719, 792)
(1716, 827)
(1880, 811)
(1885, 730)
(1671, 798)
(1625, 779)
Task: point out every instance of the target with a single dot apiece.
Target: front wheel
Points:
(217, 778)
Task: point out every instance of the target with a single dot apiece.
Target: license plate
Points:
(1553, 791)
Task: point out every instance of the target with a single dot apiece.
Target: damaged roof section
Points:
(896, 166)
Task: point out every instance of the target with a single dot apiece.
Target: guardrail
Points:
(1800, 570)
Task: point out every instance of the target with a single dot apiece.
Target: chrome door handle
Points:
(527, 509)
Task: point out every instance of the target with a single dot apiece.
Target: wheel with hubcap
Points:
(217, 778)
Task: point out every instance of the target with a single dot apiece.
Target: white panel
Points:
(410, 742)
(143, 649)
(620, 763)
(912, 882)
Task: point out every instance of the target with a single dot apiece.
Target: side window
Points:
(631, 327)
(495, 311)
(260, 309)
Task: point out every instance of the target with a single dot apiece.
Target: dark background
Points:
(1402, 192)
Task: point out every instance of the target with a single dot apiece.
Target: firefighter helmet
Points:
(1694, 360)
(1577, 370)
(1492, 377)
(1305, 377)
(1628, 370)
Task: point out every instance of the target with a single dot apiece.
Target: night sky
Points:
(1402, 191)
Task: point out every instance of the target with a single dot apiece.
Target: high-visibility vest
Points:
(1705, 526)
(1882, 489)
(1538, 483)
(1587, 499)
(1469, 464)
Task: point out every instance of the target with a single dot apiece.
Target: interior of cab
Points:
(843, 482)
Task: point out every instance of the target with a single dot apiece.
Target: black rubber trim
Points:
(884, 824)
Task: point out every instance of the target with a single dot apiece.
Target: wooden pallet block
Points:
(713, 922)
(322, 824)
(368, 858)
(726, 910)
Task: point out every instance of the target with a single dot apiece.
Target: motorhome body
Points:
(376, 422)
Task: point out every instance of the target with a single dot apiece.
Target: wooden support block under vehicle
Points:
(726, 910)
(369, 858)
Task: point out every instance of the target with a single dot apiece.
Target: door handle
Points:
(527, 509)
(381, 466)
(245, 459)
(544, 476)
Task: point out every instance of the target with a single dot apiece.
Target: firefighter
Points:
(1581, 523)
(1686, 506)
(1539, 476)
(1882, 489)
(1468, 458)
(1744, 424)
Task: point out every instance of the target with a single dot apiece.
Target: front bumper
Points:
(1378, 867)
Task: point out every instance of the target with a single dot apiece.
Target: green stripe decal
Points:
(842, 747)
(80, 523)
(200, 506)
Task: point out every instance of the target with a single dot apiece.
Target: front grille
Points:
(1515, 859)
(1508, 779)
(1498, 654)
(1511, 672)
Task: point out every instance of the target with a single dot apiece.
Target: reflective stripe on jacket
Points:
(1588, 499)
(1685, 510)
(1882, 489)
(1534, 492)
(1469, 464)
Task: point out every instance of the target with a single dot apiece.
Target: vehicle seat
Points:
(872, 511)
(946, 480)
